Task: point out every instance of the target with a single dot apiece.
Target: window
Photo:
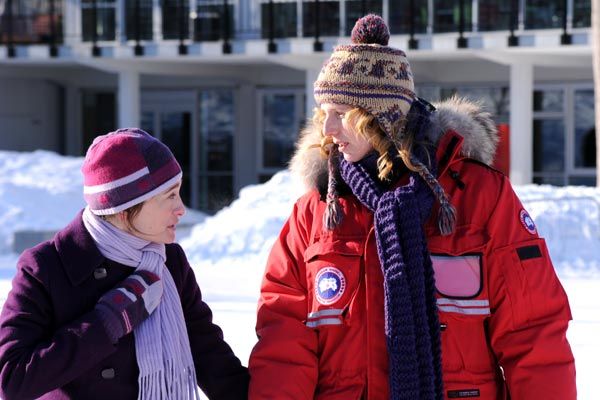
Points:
(217, 130)
(101, 18)
(447, 15)
(582, 11)
(329, 18)
(175, 21)
(281, 113)
(209, 20)
(32, 21)
(495, 15)
(548, 145)
(564, 135)
(284, 19)
(138, 17)
(354, 10)
(543, 14)
(585, 129)
(400, 18)
(549, 100)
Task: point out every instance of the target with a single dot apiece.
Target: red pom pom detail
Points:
(370, 29)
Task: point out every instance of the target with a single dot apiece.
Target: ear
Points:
(122, 216)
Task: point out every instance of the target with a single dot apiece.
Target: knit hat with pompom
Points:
(370, 75)
(377, 78)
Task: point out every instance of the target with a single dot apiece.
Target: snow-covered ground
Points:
(42, 191)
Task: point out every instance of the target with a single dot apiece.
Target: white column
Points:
(129, 99)
(521, 123)
(157, 32)
(72, 22)
(311, 77)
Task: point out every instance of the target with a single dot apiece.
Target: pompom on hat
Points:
(370, 75)
(125, 168)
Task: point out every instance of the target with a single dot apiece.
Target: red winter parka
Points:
(502, 310)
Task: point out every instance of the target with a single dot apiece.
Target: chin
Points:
(167, 240)
(350, 158)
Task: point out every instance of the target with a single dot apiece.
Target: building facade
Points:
(228, 84)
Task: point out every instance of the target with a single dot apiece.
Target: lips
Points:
(342, 145)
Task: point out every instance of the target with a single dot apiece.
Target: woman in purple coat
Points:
(110, 308)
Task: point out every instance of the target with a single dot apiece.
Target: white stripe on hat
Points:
(117, 183)
(138, 200)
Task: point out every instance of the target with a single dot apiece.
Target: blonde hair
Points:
(367, 126)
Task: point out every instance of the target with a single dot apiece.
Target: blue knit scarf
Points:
(411, 320)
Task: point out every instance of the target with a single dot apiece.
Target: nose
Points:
(180, 209)
(331, 126)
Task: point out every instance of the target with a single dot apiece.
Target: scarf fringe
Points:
(169, 384)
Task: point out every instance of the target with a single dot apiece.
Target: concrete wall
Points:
(30, 115)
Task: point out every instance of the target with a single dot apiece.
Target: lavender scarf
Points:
(162, 345)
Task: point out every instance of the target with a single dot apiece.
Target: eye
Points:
(173, 195)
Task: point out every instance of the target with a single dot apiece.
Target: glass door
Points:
(280, 116)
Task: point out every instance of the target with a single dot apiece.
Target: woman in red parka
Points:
(410, 270)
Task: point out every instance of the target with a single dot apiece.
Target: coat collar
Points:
(77, 251)
(448, 149)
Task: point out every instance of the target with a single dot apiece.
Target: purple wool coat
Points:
(54, 346)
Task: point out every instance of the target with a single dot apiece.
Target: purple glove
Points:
(128, 304)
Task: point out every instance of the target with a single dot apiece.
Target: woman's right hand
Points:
(128, 304)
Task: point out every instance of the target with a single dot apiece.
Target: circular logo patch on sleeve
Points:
(527, 222)
(330, 284)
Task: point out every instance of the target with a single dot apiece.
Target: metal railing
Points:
(31, 22)
(188, 21)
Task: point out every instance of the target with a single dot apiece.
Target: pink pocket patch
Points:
(457, 276)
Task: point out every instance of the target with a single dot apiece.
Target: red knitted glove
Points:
(127, 305)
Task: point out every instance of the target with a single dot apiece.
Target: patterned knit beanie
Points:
(370, 75)
(377, 78)
(125, 168)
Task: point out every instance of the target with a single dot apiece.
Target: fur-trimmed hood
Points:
(466, 118)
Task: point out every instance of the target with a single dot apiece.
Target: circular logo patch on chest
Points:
(527, 222)
(330, 284)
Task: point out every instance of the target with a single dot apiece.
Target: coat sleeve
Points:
(283, 364)
(36, 356)
(530, 310)
(219, 372)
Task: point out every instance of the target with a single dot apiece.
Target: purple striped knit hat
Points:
(370, 75)
(125, 168)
